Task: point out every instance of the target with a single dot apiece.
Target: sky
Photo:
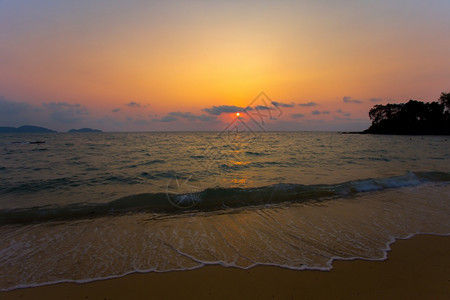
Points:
(192, 65)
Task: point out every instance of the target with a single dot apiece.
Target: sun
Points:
(237, 114)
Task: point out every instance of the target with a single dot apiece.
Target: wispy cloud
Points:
(116, 110)
(348, 99)
(340, 111)
(376, 100)
(191, 117)
(218, 110)
(166, 119)
(66, 113)
(309, 104)
(297, 116)
(263, 107)
(19, 113)
(136, 104)
(51, 114)
(323, 112)
(177, 115)
(337, 118)
(133, 104)
(280, 104)
(13, 108)
(109, 121)
(141, 122)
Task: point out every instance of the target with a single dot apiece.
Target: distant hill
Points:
(85, 130)
(25, 129)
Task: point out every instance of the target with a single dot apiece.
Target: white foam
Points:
(294, 236)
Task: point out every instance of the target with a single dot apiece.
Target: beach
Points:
(269, 220)
(417, 268)
(224, 150)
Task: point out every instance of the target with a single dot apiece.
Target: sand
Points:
(418, 268)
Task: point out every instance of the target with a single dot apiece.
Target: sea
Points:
(79, 207)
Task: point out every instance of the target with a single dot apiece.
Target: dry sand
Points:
(418, 268)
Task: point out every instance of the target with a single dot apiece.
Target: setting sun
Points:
(123, 144)
(170, 66)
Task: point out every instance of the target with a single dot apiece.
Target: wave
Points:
(255, 153)
(212, 199)
(39, 185)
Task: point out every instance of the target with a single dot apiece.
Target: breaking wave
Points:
(212, 199)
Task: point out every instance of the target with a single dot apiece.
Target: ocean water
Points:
(83, 207)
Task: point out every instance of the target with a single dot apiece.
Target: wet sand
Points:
(418, 268)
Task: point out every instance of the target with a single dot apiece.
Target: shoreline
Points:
(416, 268)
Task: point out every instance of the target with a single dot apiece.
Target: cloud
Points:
(191, 117)
(47, 114)
(218, 110)
(263, 107)
(297, 116)
(19, 113)
(166, 119)
(133, 104)
(177, 115)
(309, 104)
(348, 99)
(324, 112)
(13, 108)
(280, 104)
(376, 100)
(109, 121)
(141, 122)
(337, 118)
(116, 110)
(340, 111)
(66, 113)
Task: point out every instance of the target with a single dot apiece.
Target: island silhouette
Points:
(412, 118)
(37, 129)
(25, 129)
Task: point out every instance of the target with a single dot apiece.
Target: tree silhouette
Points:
(413, 117)
(445, 100)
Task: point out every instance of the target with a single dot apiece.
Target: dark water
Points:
(87, 206)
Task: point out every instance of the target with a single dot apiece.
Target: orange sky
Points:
(125, 66)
